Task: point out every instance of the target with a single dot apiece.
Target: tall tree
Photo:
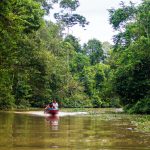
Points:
(131, 77)
(18, 19)
(67, 16)
(74, 42)
(94, 50)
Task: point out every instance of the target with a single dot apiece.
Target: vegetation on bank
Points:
(137, 122)
(39, 63)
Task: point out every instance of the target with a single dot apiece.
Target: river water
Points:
(68, 131)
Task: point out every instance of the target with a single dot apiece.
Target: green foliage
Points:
(74, 42)
(131, 74)
(120, 16)
(94, 80)
(71, 20)
(71, 4)
(37, 64)
(96, 101)
(132, 77)
(78, 63)
(19, 16)
(94, 50)
(77, 101)
(141, 107)
(46, 5)
(67, 17)
(17, 19)
(6, 97)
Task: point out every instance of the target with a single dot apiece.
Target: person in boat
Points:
(55, 105)
(49, 107)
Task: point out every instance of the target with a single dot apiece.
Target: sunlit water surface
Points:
(68, 131)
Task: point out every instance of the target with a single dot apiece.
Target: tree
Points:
(94, 50)
(74, 42)
(18, 19)
(131, 75)
(67, 17)
(93, 79)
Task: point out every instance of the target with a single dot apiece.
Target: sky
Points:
(96, 12)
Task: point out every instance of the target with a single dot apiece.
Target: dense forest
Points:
(38, 62)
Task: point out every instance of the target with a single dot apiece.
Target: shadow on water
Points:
(33, 131)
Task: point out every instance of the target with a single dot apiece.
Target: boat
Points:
(52, 111)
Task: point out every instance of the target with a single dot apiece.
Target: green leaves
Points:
(120, 16)
(94, 50)
(67, 16)
(19, 18)
(131, 79)
(69, 4)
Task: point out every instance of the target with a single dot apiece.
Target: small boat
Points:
(52, 111)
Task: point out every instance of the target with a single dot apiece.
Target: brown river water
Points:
(68, 131)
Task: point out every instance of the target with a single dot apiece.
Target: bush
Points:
(24, 104)
(76, 101)
(6, 99)
(141, 107)
(96, 102)
(115, 103)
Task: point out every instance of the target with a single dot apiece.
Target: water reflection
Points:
(32, 132)
(53, 121)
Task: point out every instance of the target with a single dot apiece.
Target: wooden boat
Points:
(52, 111)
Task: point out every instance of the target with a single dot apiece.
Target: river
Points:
(68, 131)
